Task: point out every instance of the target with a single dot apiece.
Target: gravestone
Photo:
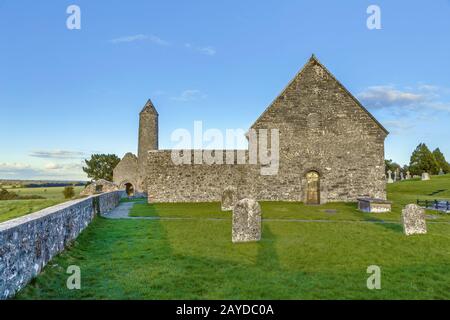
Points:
(402, 176)
(246, 221)
(390, 177)
(374, 205)
(229, 198)
(441, 172)
(408, 175)
(425, 176)
(413, 218)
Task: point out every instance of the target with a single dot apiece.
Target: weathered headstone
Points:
(402, 176)
(441, 172)
(229, 198)
(389, 180)
(425, 176)
(395, 176)
(246, 221)
(413, 218)
(408, 175)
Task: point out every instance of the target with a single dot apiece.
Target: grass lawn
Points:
(195, 259)
(10, 209)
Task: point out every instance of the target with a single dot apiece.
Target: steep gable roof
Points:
(314, 60)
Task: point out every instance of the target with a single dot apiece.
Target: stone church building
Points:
(330, 149)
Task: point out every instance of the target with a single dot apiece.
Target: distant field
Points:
(11, 209)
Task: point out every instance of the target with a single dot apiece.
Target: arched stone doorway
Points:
(312, 187)
(129, 189)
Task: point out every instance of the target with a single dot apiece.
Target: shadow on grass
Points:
(392, 226)
(267, 249)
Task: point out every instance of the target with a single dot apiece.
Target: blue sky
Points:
(65, 94)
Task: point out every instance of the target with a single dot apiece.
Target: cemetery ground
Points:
(306, 252)
(10, 209)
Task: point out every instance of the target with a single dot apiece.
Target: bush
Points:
(6, 195)
(68, 192)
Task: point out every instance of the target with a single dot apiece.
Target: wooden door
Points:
(312, 188)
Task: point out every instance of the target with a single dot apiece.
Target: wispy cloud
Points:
(13, 166)
(57, 154)
(420, 98)
(140, 37)
(387, 96)
(398, 126)
(189, 95)
(207, 50)
(51, 170)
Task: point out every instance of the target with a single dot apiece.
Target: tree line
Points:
(422, 160)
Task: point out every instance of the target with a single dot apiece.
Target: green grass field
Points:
(195, 259)
(10, 209)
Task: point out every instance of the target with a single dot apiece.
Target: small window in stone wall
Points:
(313, 121)
(99, 188)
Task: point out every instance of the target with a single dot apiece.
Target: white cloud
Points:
(422, 98)
(57, 154)
(140, 37)
(388, 96)
(189, 95)
(53, 166)
(207, 50)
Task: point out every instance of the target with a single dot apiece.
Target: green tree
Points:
(440, 159)
(101, 166)
(68, 192)
(422, 160)
(390, 165)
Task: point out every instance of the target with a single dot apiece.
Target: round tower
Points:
(148, 139)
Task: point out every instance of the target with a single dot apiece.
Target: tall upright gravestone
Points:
(413, 218)
(389, 177)
(229, 198)
(246, 221)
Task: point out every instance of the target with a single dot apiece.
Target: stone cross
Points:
(413, 219)
(425, 176)
(408, 175)
(246, 221)
(229, 197)
(390, 177)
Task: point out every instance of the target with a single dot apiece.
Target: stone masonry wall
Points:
(168, 182)
(28, 243)
(322, 128)
(127, 172)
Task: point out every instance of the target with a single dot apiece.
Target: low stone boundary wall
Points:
(28, 243)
